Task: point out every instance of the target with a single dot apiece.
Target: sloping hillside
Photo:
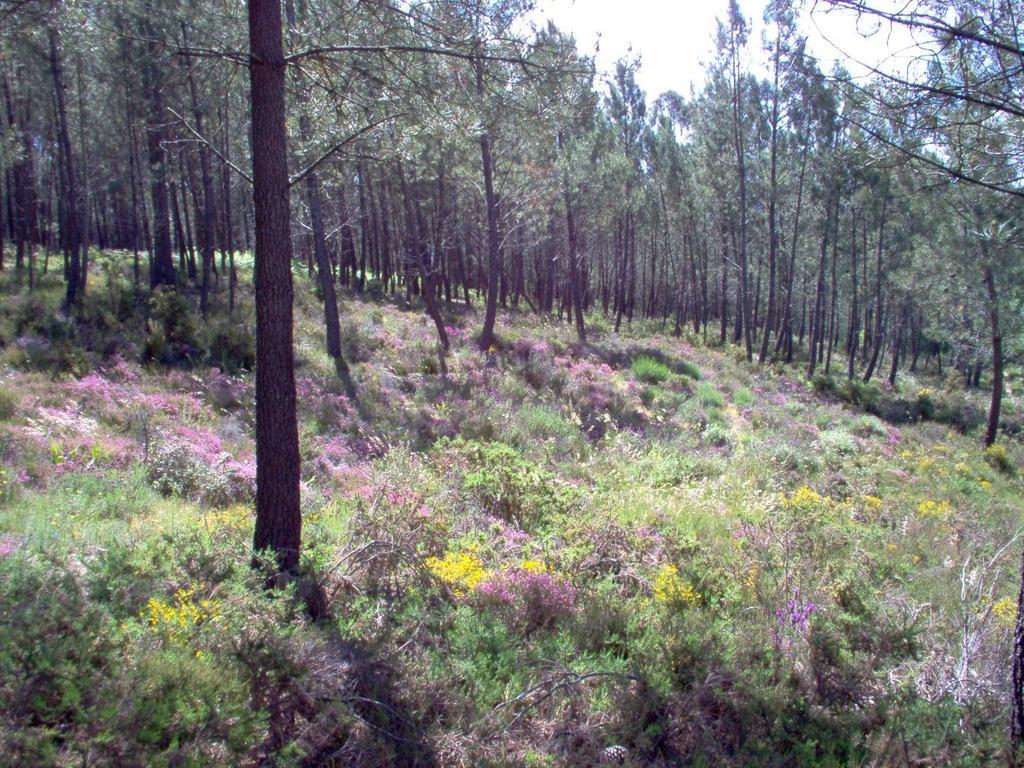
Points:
(638, 552)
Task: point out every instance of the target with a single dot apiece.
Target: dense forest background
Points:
(176, 166)
(447, 150)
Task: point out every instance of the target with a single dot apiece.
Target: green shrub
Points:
(173, 336)
(837, 442)
(649, 371)
(483, 653)
(822, 383)
(869, 426)
(55, 652)
(856, 392)
(999, 458)
(231, 345)
(926, 403)
(508, 485)
(174, 469)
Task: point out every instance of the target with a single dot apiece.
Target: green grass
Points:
(687, 368)
(649, 371)
(743, 397)
(708, 395)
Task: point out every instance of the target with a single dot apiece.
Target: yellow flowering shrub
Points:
(806, 499)
(533, 566)
(934, 510)
(670, 588)
(460, 571)
(1005, 611)
(235, 519)
(178, 619)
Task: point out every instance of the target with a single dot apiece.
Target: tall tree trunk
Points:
(162, 272)
(71, 182)
(878, 308)
(209, 214)
(229, 221)
(816, 331)
(785, 339)
(834, 288)
(314, 199)
(853, 336)
(278, 515)
(997, 348)
(493, 238)
(773, 235)
(417, 244)
(574, 256)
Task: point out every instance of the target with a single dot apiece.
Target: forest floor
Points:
(643, 551)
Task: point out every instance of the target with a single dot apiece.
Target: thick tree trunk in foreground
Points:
(278, 516)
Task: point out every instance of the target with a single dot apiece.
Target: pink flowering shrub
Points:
(192, 463)
(595, 392)
(529, 598)
(329, 409)
(338, 467)
(9, 544)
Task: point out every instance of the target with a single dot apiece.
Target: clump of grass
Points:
(743, 397)
(542, 422)
(8, 404)
(650, 371)
(716, 434)
(686, 368)
(708, 396)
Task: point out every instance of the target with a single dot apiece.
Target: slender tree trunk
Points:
(853, 336)
(816, 331)
(163, 258)
(785, 339)
(71, 182)
(878, 308)
(992, 426)
(493, 243)
(209, 214)
(415, 228)
(834, 288)
(229, 221)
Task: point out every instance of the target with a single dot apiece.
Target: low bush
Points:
(508, 485)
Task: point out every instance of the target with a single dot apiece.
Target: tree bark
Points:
(493, 243)
(992, 427)
(162, 272)
(278, 514)
(209, 215)
(71, 183)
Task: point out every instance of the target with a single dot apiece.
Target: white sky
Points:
(673, 37)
